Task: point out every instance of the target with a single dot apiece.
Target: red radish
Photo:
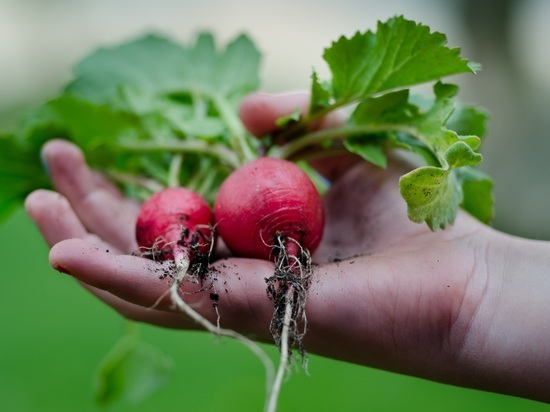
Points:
(265, 199)
(175, 223)
(270, 209)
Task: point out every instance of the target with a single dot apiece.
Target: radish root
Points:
(287, 288)
(289, 285)
(196, 272)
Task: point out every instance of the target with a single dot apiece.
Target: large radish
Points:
(265, 200)
(270, 209)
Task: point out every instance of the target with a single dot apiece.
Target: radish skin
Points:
(264, 199)
(176, 223)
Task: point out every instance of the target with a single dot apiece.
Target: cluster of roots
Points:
(198, 271)
(287, 289)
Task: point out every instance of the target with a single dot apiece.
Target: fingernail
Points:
(60, 269)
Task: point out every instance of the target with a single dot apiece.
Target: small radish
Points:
(270, 209)
(176, 224)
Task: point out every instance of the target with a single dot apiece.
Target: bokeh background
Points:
(53, 335)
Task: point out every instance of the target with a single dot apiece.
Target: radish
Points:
(176, 224)
(270, 209)
(265, 200)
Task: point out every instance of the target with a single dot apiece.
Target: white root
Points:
(283, 359)
(182, 266)
(294, 300)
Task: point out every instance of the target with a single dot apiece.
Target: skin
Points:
(466, 306)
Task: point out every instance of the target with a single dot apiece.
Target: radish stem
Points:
(174, 171)
(240, 142)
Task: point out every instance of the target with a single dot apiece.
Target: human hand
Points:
(386, 292)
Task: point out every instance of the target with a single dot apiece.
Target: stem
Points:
(284, 358)
(218, 151)
(207, 181)
(199, 105)
(296, 129)
(339, 133)
(203, 179)
(128, 178)
(175, 169)
(182, 265)
(239, 139)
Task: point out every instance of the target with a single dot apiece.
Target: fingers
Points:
(259, 111)
(378, 305)
(55, 218)
(57, 222)
(96, 203)
(138, 313)
(240, 285)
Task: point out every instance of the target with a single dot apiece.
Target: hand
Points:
(465, 305)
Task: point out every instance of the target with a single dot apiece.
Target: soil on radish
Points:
(198, 271)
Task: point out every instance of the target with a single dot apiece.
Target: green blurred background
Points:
(54, 335)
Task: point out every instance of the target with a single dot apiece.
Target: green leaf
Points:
(151, 63)
(321, 183)
(433, 195)
(477, 188)
(85, 123)
(320, 94)
(132, 371)
(431, 130)
(368, 148)
(469, 120)
(237, 69)
(157, 66)
(291, 118)
(387, 109)
(411, 144)
(445, 90)
(460, 154)
(20, 173)
(401, 53)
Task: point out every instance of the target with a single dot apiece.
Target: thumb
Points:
(259, 111)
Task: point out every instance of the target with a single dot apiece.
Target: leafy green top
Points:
(151, 113)
(373, 71)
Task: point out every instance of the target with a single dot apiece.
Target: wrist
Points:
(506, 349)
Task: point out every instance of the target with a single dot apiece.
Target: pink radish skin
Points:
(264, 199)
(176, 221)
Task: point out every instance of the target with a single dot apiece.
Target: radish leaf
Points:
(401, 53)
(131, 372)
